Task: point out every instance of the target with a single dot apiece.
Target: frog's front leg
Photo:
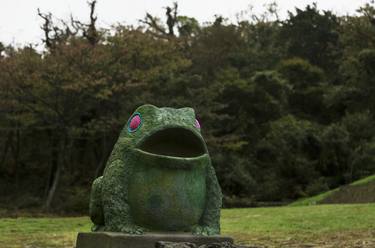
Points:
(116, 208)
(96, 205)
(210, 221)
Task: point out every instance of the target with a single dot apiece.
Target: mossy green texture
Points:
(154, 189)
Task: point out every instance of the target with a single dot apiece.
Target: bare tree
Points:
(46, 27)
(89, 31)
(54, 34)
(171, 18)
(158, 28)
(2, 48)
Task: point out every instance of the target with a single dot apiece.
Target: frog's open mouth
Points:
(174, 142)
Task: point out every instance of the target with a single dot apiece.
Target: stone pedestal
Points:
(148, 240)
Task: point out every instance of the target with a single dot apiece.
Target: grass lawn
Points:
(313, 200)
(303, 226)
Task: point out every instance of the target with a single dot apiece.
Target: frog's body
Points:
(159, 177)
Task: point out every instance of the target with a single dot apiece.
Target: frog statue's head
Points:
(164, 133)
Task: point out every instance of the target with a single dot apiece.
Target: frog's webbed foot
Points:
(205, 231)
(129, 228)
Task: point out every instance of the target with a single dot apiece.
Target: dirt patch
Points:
(352, 194)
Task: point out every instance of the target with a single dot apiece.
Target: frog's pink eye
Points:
(135, 122)
(197, 124)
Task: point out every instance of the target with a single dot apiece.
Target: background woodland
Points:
(287, 106)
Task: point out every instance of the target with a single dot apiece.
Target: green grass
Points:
(317, 198)
(41, 232)
(364, 180)
(312, 200)
(271, 227)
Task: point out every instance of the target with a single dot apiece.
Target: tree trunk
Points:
(56, 169)
(52, 190)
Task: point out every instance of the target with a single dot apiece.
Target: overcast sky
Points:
(19, 22)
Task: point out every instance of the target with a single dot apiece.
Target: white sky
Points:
(19, 22)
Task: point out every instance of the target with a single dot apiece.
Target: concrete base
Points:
(148, 240)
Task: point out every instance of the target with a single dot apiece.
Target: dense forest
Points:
(287, 106)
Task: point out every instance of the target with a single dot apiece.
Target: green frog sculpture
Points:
(158, 177)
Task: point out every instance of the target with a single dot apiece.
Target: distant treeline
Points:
(287, 106)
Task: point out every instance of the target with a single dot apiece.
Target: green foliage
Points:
(300, 73)
(360, 127)
(358, 31)
(363, 160)
(188, 26)
(238, 177)
(306, 99)
(335, 157)
(313, 35)
(289, 153)
(286, 107)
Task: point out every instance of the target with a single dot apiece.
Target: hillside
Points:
(360, 191)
